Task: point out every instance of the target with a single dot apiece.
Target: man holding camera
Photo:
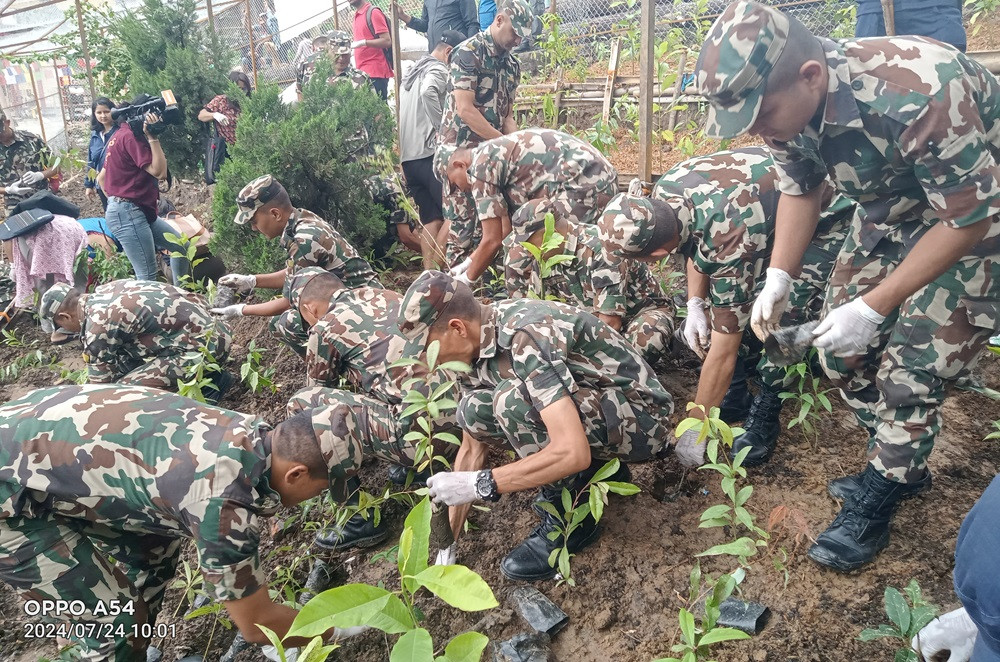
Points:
(21, 171)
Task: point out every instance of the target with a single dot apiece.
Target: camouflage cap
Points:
(520, 14)
(255, 195)
(297, 281)
(530, 217)
(629, 226)
(49, 306)
(340, 42)
(340, 445)
(736, 59)
(424, 302)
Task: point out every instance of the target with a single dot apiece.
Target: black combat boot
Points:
(554, 495)
(861, 529)
(842, 488)
(529, 561)
(398, 475)
(358, 531)
(762, 427)
(736, 403)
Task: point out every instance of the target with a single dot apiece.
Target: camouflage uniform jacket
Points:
(594, 280)
(306, 69)
(356, 77)
(729, 201)
(312, 242)
(911, 130)
(554, 349)
(22, 156)
(508, 171)
(479, 66)
(148, 462)
(127, 322)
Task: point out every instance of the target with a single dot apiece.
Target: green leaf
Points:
(715, 511)
(906, 656)
(743, 495)
(414, 646)
(606, 471)
(622, 489)
(466, 647)
(458, 586)
(742, 547)
(455, 366)
(687, 424)
(718, 635)
(394, 617)
(596, 504)
(744, 517)
(274, 639)
(419, 522)
(432, 354)
(921, 616)
(315, 651)
(896, 609)
(686, 619)
(344, 606)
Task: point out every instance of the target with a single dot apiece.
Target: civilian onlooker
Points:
(21, 171)
(487, 12)
(371, 36)
(305, 68)
(421, 104)
(440, 15)
(101, 129)
(225, 111)
(133, 164)
(937, 19)
(302, 51)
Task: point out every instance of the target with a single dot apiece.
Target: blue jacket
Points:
(95, 154)
(977, 569)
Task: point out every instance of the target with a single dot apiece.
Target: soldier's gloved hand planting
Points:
(32, 178)
(453, 488)
(17, 189)
(220, 118)
(461, 268)
(464, 278)
(697, 335)
(771, 304)
(229, 312)
(447, 555)
(688, 450)
(848, 329)
(954, 632)
(239, 282)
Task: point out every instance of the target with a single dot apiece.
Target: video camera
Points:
(135, 115)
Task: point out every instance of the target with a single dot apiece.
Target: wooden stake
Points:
(889, 17)
(678, 87)
(253, 46)
(397, 67)
(646, 78)
(558, 89)
(336, 17)
(211, 15)
(62, 103)
(38, 105)
(609, 87)
(86, 50)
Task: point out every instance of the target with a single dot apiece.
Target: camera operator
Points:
(132, 168)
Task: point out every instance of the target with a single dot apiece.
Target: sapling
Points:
(908, 616)
(809, 397)
(253, 374)
(190, 253)
(547, 257)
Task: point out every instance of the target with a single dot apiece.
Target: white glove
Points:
(447, 555)
(464, 278)
(17, 189)
(271, 653)
(32, 178)
(954, 632)
(771, 304)
(239, 282)
(462, 268)
(229, 312)
(688, 450)
(358, 44)
(697, 335)
(848, 329)
(221, 119)
(453, 488)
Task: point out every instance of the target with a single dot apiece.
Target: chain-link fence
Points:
(40, 97)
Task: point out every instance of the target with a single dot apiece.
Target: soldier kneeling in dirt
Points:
(354, 338)
(551, 382)
(141, 332)
(193, 471)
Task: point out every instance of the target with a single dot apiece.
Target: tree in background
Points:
(111, 69)
(317, 150)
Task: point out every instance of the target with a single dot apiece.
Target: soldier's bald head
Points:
(294, 441)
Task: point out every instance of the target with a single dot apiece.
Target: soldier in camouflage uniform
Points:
(100, 472)
(484, 79)
(21, 171)
(354, 342)
(504, 173)
(624, 294)
(143, 333)
(718, 212)
(553, 383)
(310, 242)
(911, 130)
(307, 67)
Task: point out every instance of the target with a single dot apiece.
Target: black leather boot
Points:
(358, 531)
(398, 474)
(554, 495)
(736, 403)
(861, 529)
(762, 427)
(842, 488)
(529, 561)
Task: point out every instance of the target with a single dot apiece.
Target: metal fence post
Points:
(86, 50)
(211, 15)
(646, 77)
(336, 17)
(253, 46)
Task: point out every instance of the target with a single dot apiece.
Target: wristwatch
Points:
(486, 487)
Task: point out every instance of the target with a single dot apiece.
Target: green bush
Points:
(315, 149)
(169, 51)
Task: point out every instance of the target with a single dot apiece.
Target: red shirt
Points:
(124, 174)
(222, 104)
(370, 60)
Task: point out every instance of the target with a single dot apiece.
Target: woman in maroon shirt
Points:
(225, 111)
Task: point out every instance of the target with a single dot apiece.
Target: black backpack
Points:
(387, 52)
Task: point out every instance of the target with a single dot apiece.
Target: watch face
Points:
(483, 486)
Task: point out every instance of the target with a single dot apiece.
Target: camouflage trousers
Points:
(290, 329)
(651, 331)
(934, 339)
(466, 232)
(381, 425)
(617, 423)
(52, 557)
(165, 371)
